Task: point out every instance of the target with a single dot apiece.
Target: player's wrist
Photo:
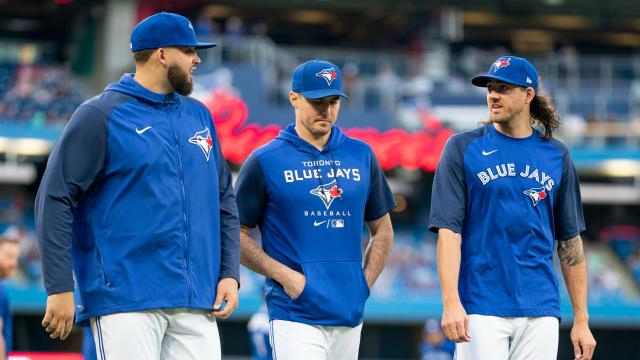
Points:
(450, 299)
(581, 319)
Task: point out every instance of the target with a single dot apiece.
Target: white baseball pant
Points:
(295, 341)
(163, 334)
(512, 338)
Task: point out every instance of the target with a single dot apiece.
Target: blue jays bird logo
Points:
(536, 194)
(204, 141)
(327, 193)
(501, 63)
(328, 74)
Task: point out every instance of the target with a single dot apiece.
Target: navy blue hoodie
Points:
(137, 188)
(311, 206)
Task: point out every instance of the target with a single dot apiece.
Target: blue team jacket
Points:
(311, 206)
(138, 189)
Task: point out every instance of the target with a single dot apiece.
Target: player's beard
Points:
(179, 80)
(504, 118)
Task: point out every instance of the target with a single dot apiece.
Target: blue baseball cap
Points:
(511, 70)
(165, 29)
(316, 79)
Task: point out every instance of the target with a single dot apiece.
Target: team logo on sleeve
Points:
(204, 141)
(327, 193)
(328, 75)
(536, 194)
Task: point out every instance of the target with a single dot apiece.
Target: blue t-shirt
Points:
(509, 198)
(311, 206)
(7, 318)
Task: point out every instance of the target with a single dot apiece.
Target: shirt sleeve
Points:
(229, 223)
(449, 192)
(74, 164)
(568, 217)
(251, 192)
(380, 200)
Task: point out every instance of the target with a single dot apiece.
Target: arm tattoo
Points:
(570, 251)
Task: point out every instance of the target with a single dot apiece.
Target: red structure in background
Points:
(44, 356)
(396, 147)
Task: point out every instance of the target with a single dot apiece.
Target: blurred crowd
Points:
(38, 94)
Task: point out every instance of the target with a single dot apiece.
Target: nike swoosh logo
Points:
(315, 223)
(140, 132)
(485, 153)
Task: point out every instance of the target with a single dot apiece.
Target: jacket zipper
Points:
(184, 206)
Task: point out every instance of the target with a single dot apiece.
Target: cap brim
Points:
(202, 45)
(482, 80)
(320, 93)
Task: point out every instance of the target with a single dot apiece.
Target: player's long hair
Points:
(543, 111)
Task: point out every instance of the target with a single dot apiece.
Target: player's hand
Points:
(455, 322)
(294, 284)
(583, 342)
(58, 318)
(227, 291)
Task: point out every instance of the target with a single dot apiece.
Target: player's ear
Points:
(294, 98)
(161, 53)
(530, 95)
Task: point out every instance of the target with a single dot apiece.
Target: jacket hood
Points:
(291, 136)
(128, 85)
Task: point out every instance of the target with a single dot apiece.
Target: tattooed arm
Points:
(574, 270)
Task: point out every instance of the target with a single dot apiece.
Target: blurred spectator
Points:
(258, 328)
(234, 29)
(352, 86)
(260, 28)
(434, 346)
(9, 252)
(471, 62)
(573, 128)
(11, 208)
(234, 26)
(569, 65)
(204, 26)
(388, 84)
(416, 52)
(29, 262)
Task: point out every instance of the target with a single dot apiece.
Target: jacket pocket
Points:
(334, 294)
(101, 266)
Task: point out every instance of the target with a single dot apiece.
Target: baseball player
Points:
(434, 346)
(9, 253)
(310, 190)
(258, 331)
(502, 194)
(138, 197)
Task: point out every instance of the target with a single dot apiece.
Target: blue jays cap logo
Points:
(204, 141)
(536, 194)
(327, 193)
(501, 63)
(328, 75)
